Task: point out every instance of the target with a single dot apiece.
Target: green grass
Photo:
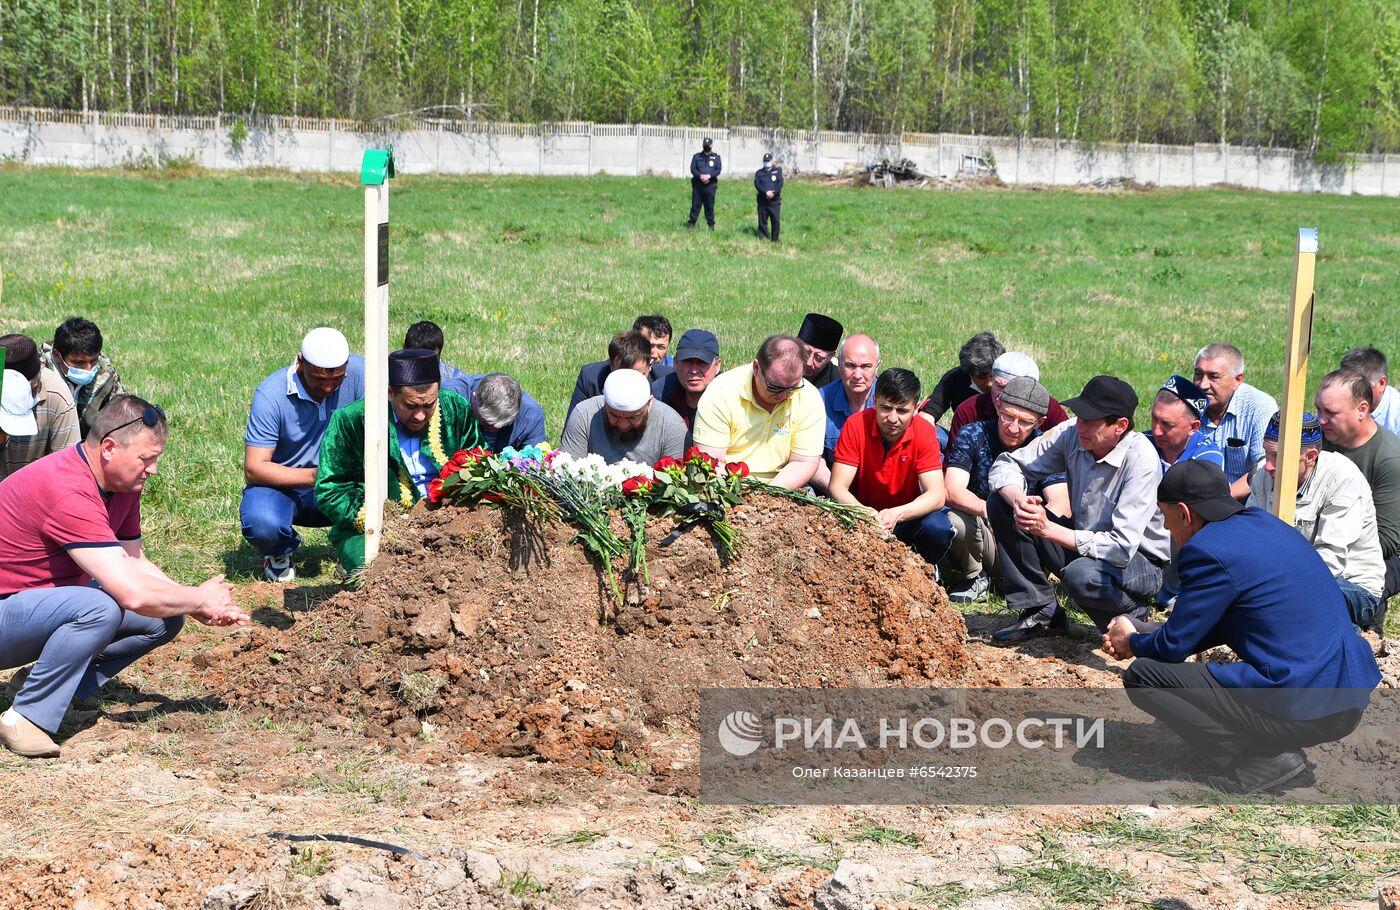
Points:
(204, 285)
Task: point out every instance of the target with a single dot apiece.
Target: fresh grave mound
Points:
(503, 635)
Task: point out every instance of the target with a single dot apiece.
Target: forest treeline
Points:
(1322, 76)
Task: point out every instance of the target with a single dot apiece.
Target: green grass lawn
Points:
(205, 284)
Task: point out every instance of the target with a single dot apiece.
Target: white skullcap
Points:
(626, 391)
(17, 405)
(325, 348)
(1013, 364)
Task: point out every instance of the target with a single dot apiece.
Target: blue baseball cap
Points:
(698, 344)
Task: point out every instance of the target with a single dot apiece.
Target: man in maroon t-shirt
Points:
(1007, 367)
(890, 462)
(78, 597)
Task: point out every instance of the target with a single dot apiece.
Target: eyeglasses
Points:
(780, 389)
(1018, 422)
(151, 417)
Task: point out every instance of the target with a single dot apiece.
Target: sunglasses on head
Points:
(151, 416)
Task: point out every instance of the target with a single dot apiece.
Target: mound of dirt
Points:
(501, 636)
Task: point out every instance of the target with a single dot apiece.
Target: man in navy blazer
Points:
(1251, 582)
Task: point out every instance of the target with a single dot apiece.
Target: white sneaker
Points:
(279, 568)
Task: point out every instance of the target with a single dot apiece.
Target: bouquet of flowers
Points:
(587, 490)
(508, 479)
(693, 491)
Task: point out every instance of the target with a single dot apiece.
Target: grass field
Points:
(205, 284)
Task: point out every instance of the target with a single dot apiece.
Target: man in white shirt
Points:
(1335, 513)
(1385, 401)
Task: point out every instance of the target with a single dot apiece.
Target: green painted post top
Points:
(377, 166)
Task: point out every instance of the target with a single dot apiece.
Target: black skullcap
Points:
(21, 355)
(821, 332)
(413, 367)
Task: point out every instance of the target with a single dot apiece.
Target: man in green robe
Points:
(426, 427)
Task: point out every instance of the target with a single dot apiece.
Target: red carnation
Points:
(435, 490)
(737, 467)
(635, 486)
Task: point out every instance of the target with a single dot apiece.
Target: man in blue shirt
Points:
(1176, 434)
(857, 363)
(290, 412)
(1253, 583)
(1237, 414)
(505, 413)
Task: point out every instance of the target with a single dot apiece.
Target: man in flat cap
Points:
(768, 183)
(1021, 408)
(55, 414)
(1110, 555)
(625, 422)
(820, 337)
(697, 364)
(282, 442)
(1250, 582)
(1337, 515)
(1177, 412)
(705, 168)
(427, 427)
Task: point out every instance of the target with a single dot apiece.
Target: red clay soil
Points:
(504, 637)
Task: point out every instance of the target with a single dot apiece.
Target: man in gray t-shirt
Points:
(624, 422)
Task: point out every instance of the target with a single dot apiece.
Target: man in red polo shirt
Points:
(890, 462)
(78, 597)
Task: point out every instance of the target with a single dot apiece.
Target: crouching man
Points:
(78, 597)
(1251, 582)
(890, 462)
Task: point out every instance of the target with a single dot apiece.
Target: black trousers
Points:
(1215, 721)
(768, 211)
(702, 194)
(1099, 588)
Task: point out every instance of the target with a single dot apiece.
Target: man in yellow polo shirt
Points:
(765, 415)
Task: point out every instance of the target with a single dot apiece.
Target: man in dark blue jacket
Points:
(1253, 583)
(704, 177)
(768, 182)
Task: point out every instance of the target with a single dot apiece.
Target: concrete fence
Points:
(431, 146)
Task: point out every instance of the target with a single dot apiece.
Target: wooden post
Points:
(375, 171)
(1295, 376)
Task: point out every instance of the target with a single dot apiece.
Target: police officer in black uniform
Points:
(704, 177)
(768, 181)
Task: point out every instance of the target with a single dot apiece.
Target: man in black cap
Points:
(55, 413)
(705, 167)
(768, 182)
(426, 428)
(820, 336)
(697, 365)
(1110, 555)
(1250, 582)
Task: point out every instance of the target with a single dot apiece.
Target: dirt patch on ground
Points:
(503, 637)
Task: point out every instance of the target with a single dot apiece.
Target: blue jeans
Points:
(1361, 604)
(78, 639)
(930, 536)
(268, 515)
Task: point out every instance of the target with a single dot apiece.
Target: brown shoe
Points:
(23, 738)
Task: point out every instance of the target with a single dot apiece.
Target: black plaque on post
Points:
(383, 253)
